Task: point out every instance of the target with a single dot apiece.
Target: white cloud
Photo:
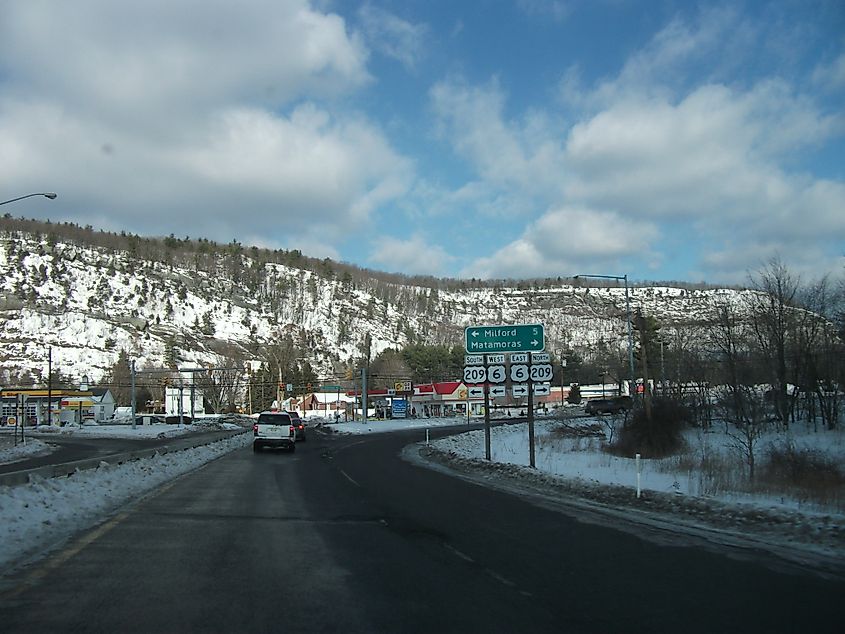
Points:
(831, 77)
(715, 163)
(124, 59)
(713, 152)
(413, 256)
(196, 118)
(567, 240)
(525, 154)
(393, 36)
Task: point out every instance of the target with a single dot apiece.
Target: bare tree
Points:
(222, 386)
(746, 432)
(388, 367)
(730, 346)
(773, 315)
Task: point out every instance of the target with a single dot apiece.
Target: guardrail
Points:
(15, 478)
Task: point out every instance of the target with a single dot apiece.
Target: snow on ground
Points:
(37, 439)
(27, 448)
(42, 514)
(560, 451)
(159, 430)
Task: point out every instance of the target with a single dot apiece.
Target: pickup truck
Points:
(274, 429)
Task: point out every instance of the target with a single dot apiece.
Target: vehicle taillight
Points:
(292, 430)
(302, 426)
(255, 429)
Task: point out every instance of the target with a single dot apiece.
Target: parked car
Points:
(299, 426)
(614, 405)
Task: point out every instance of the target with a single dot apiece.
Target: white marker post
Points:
(638, 475)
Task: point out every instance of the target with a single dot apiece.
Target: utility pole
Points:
(562, 366)
(50, 385)
(624, 278)
(132, 373)
(641, 325)
(364, 395)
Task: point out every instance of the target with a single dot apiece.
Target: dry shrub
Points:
(808, 473)
(592, 430)
(661, 436)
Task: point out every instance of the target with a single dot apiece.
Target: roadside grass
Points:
(799, 470)
(795, 473)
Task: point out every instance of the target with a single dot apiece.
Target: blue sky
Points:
(526, 138)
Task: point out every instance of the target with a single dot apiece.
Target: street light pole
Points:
(49, 195)
(631, 385)
(562, 366)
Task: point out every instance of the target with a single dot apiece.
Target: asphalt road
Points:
(345, 536)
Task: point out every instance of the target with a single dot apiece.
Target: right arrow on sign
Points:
(519, 390)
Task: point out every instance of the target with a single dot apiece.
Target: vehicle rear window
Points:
(274, 419)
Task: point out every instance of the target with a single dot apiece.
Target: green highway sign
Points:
(504, 338)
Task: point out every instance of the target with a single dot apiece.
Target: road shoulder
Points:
(781, 539)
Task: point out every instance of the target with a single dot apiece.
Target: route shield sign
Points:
(519, 373)
(541, 372)
(504, 338)
(496, 374)
(475, 374)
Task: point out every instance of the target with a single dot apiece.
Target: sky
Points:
(662, 140)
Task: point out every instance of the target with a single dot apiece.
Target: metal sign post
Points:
(531, 455)
(486, 413)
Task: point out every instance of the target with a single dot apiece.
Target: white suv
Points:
(274, 429)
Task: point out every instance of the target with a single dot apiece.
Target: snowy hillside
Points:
(88, 303)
